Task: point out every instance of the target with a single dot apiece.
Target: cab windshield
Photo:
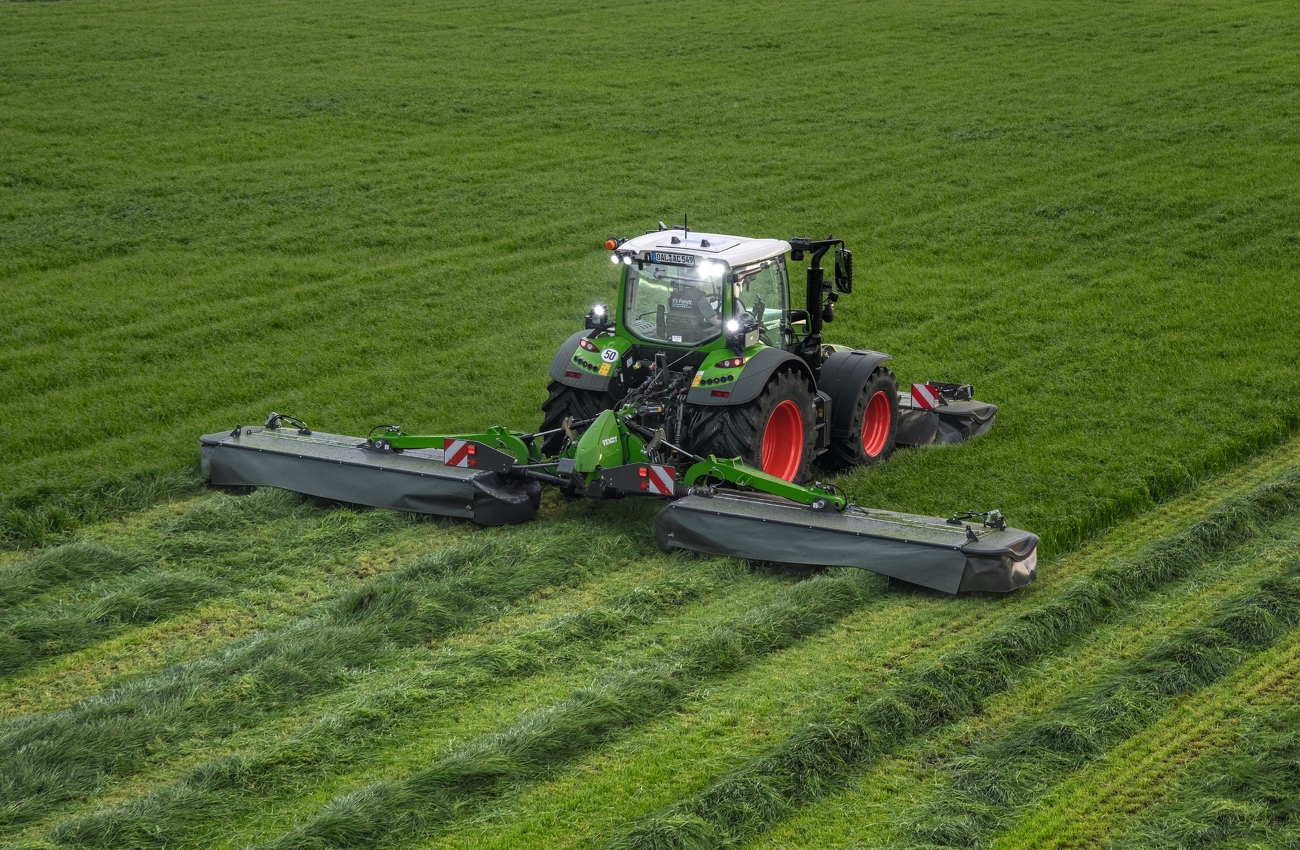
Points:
(675, 304)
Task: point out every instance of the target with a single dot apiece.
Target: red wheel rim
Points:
(875, 425)
(783, 441)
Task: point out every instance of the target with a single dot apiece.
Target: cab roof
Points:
(733, 250)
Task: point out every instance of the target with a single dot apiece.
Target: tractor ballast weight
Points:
(707, 386)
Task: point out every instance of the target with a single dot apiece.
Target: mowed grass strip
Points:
(36, 575)
(1245, 796)
(391, 811)
(989, 789)
(865, 811)
(30, 635)
(48, 758)
(216, 791)
(48, 513)
(820, 756)
(219, 546)
(1100, 801)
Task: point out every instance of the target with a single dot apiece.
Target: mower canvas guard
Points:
(719, 506)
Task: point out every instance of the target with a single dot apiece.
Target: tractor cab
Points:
(705, 323)
(688, 290)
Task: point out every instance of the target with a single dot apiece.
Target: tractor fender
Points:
(753, 377)
(844, 374)
(562, 363)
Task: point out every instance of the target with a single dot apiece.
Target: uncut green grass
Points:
(365, 214)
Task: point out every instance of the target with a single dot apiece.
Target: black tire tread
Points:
(728, 432)
(848, 452)
(564, 401)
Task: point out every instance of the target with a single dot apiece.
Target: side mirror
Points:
(844, 270)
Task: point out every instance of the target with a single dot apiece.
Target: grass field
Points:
(363, 213)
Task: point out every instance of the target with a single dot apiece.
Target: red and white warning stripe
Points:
(660, 480)
(925, 396)
(458, 453)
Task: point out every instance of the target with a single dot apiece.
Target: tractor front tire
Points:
(563, 402)
(774, 432)
(873, 425)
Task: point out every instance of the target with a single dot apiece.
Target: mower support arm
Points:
(734, 471)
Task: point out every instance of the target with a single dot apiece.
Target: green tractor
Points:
(709, 387)
(755, 380)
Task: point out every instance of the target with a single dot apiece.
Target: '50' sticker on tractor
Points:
(609, 355)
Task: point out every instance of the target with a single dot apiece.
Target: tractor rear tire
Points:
(774, 432)
(873, 425)
(561, 402)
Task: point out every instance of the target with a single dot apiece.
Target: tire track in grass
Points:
(216, 791)
(540, 742)
(819, 757)
(1245, 796)
(54, 757)
(988, 790)
(1087, 809)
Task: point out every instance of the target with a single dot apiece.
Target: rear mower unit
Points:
(706, 385)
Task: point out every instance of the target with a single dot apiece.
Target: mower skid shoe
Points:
(921, 550)
(331, 466)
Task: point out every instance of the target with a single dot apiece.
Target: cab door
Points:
(764, 292)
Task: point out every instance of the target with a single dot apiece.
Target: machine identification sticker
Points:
(609, 355)
(672, 259)
(699, 376)
(604, 369)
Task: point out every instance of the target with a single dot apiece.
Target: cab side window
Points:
(763, 293)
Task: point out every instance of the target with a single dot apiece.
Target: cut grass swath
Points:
(45, 513)
(992, 786)
(57, 756)
(389, 811)
(208, 795)
(44, 571)
(1246, 796)
(820, 756)
(147, 596)
(206, 541)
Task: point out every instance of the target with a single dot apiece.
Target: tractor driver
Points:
(690, 316)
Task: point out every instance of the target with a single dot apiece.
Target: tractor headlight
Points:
(734, 326)
(614, 258)
(598, 318)
(712, 269)
(627, 259)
